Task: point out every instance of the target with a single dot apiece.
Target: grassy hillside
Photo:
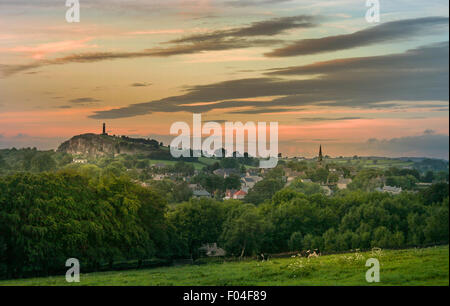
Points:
(427, 267)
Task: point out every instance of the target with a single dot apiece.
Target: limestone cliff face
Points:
(94, 145)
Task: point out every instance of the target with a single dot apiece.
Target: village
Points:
(326, 175)
(226, 175)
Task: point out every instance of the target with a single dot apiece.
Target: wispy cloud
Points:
(261, 28)
(386, 32)
(409, 61)
(90, 57)
(257, 34)
(244, 3)
(156, 32)
(265, 110)
(330, 119)
(84, 100)
(42, 50)
(141, 84)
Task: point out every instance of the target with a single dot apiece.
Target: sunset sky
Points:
(318, 68)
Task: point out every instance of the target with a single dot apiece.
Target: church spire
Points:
(320, 154)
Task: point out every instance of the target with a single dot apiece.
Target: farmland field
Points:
(412, 267)
(378, 163)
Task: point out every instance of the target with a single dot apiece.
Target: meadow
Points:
(376, 163)
(411, 267)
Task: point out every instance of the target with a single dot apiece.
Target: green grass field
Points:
(423, 267)
(197, 166)
(380, 163)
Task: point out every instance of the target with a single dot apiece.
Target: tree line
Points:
(46, 218)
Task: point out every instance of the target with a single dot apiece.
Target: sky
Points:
(318, 68)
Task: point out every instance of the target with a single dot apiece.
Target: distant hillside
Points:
(97, 145)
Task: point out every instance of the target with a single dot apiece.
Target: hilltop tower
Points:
(104, 129)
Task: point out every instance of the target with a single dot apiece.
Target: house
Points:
(390, 189)
(229, 194)
(79, 161)
(252, 172)
(225, 172)
(239, 195)
(202, 193)
(423, 184)
(194, 187)
(159, 177)
(306, 181)
(292, 173)
(212, 250)
(159, 165)
(250, 181)
(343, 182)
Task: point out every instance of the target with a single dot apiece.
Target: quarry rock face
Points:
(95, 145)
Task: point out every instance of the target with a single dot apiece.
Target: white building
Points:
(79, 161)
(390, 189)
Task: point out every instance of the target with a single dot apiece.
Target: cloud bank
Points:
(415, 75)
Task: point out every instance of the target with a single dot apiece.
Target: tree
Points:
(333, 178)
(64, 160)
(115, 168)
(296, 241)
(429, 177)
(230, 163)
(232, 182)
(46, 218)
(306, 188)
(173, 192)
(435, 193)
(182, 192)
(436, 225)
(320, 175)
(243, 231)
(264, 190)
(3, 164)
(197, 222)
(187, 169)
(330, 240)
(366, 180)
(407, 182)
(42, 162)
(416, 224)
(210, 182)
(442, 176)
(142, 164)
(382, 238)
(308, 242)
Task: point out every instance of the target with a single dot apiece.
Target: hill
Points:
(99, 145)
(412, 267)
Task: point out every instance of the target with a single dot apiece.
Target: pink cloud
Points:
(156, 32)
(42, 50)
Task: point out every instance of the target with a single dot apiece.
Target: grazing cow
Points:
(312, 255)
(263, 257)
(316, 253)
